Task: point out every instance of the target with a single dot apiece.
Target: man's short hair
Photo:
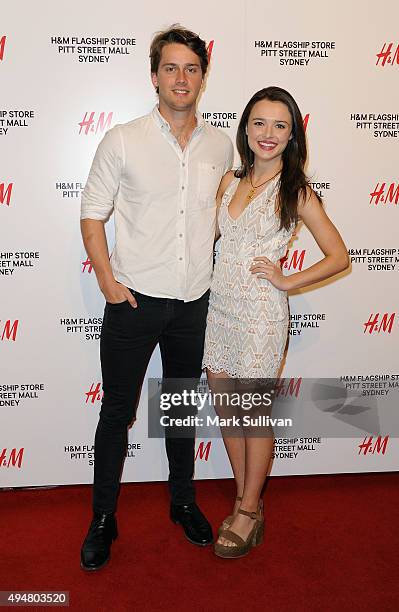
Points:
(177, 34)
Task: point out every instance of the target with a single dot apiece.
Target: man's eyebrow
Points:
(174, 64)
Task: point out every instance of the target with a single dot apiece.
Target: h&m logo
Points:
(203, 451)
(380, 196)
(385, 56)
(87, 266)
(90, 125)
(2, 46)
(12, 458)
(374, 324)
(369, 446)
(295, 262)
(9, 331)
(95, 393)
(5, 193)
(287, 387)
(209, 49)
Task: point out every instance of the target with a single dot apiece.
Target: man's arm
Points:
(97, 206)
(95, 241)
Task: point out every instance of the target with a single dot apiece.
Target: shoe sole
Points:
(257, 542)
(232, 557)
(94, 569)
(193, 541)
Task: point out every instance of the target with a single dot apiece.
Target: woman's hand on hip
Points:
(265, 268)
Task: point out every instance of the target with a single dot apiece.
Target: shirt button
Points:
(182, 187)
(180, 235)
(180, 258)
(184, 165)
(182, 212)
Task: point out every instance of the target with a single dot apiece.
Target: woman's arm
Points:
(328, 239)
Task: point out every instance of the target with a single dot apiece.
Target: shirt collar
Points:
(163, 124)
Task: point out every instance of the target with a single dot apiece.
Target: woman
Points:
(259, 206)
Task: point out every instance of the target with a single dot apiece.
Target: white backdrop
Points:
(57, 98)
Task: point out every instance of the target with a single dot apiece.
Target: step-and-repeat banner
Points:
(71, 70)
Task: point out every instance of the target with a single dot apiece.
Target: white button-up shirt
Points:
(163, 199)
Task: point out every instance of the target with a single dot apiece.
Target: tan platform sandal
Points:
(242, 547)
(228, 520)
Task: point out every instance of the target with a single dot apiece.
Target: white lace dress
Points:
(248, 317)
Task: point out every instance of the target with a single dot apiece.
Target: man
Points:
(159, 174)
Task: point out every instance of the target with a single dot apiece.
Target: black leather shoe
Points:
(196, 527)
(97, 545)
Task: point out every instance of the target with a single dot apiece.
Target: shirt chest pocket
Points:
(208, 181)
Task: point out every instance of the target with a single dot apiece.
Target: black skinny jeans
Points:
(128, 338)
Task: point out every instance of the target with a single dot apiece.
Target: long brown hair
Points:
(293, 180)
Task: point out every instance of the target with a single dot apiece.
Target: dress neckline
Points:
(235, 220)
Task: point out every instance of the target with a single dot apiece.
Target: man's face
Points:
(179, 77)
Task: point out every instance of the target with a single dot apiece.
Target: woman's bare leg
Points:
(235, 446)
(259, 444)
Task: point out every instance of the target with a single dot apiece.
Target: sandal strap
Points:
(232, 537)
(252, 515)
(239, 498)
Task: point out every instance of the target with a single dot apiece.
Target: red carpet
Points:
(331, 543)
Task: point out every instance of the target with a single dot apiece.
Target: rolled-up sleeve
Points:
(104, 178)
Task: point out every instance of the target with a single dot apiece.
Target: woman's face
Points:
(269, 129)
